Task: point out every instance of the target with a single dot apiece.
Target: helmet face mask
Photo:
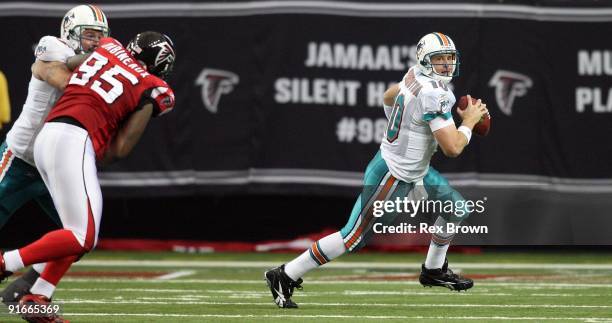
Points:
(155, 50)
(432, 45)
(79, 19)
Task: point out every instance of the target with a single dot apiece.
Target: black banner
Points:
(267, 97)
(285, 98)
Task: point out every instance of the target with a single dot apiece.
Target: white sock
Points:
(39, 267)
(12, 260)
(43, 287)
(332, 245)
(299, 266)
(436, 255)
(320, 253)
(438, 246)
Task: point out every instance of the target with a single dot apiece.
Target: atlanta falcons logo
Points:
(214, 83)
(509, 85)
(166, 53)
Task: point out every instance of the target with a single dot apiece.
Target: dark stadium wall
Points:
(278, 113)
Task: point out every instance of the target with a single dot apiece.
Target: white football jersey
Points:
(41, 97)
(422, 106)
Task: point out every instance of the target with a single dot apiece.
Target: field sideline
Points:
(366, 287)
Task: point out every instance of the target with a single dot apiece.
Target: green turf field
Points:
(366, 287)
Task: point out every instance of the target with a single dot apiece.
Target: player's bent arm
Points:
(129, 134)
(451, 141)
(76, 60)
(390, 94)
(54, 73)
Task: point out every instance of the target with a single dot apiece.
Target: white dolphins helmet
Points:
(80, 18)
(431, 45)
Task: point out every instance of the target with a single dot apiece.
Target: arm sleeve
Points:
(439, 123)
(436, 110)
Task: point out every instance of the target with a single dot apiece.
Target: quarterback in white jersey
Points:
(81, 29)
(419, 112)
(422, 106)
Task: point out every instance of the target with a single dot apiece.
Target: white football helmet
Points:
(80, 18)
(431, 45)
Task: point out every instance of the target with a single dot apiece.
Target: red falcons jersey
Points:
(106, 88)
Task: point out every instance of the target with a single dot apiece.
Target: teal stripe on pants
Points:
(358, 229)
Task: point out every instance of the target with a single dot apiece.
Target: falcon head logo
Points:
(215, 83)
(509, 85)
(165, 53)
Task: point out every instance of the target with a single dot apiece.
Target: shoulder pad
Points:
(52, 49)
(436, 103)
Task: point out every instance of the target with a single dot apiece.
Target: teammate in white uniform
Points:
(420, 120)
(81, 29)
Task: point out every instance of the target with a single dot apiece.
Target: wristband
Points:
(466, 132)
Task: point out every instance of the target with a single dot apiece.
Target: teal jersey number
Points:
(395, 121)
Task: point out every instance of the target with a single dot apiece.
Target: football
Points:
(481, 128)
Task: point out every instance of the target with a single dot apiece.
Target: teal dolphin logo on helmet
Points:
(79, 19)
(435, 44)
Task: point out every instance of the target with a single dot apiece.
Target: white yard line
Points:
(526, 285)
(139, 290)
(353, 293)
(404, 305)
(194, 293)
(176, 274)
(348, 265)
(352, 317)
(570, 295)
(405, 293)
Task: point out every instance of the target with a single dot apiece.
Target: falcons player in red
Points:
(102, 114)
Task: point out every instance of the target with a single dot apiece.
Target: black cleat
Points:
(19, 287)
(444, 277)
(282, 287)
